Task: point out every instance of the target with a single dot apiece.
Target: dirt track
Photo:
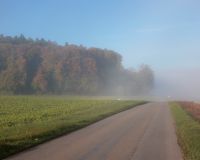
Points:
(142, 133)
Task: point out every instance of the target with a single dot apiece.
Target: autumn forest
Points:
(38, 66)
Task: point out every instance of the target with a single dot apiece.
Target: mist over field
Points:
(29, 66)
(177, 84)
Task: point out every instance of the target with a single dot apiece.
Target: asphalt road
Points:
(145, 132)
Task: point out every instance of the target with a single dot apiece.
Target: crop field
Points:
(29, 120)
(187, 128)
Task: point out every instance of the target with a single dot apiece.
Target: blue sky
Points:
(162, 33)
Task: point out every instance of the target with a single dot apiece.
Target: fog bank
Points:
(178, 84)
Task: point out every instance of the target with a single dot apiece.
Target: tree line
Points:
(40, 66)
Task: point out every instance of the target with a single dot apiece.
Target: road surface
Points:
(145, 132)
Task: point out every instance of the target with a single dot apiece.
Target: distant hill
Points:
(41, 66)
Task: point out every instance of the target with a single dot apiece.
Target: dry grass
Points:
(188, 130)
(192, 108)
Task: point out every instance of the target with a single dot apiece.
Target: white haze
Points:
(177, 84)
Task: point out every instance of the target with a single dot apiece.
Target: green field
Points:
(29, 120)
(188, 131)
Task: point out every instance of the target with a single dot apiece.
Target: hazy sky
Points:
(162, 33)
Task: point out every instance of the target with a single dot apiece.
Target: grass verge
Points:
(26, 121)
(188, 132)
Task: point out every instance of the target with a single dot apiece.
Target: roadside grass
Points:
(26, 121)
(188, 132)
